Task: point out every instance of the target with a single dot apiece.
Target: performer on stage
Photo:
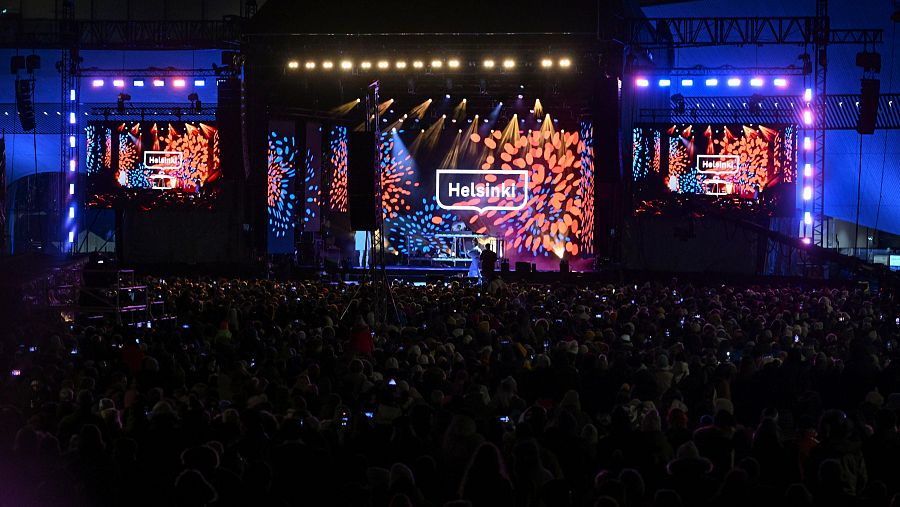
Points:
(475, 255)
(488, 262)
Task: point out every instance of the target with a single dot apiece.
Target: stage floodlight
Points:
(488, 64)
(178, 83)
(807, 170)
(401, 64)
(807, 117)
(418, 64)
(687, 82)
(159, 83)
(520, 96)
(546, 63)
(199, 82)
(665, 82)
(293, 64)
(807, 95)
(807, 193)
(436, 64)
(509, 64)
(97, 83)
(119, 83)
(383, 64)
(642, 82)
(327, 65)
(756, 82)
(678, 103)
(565, 62)
(780, 82)
(807, 143)
(138, 83)
(755, 105)
(310, 65)
(807, 218)
(346, 65)
(366, 65)
(807, 240)
(120, 102)
(453, 63)
(734, 81)
(712, 82)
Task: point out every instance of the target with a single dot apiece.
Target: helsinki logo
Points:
(469, 189)
(718, 164)
(163, 159)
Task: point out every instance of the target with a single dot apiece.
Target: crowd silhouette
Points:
(313, 393)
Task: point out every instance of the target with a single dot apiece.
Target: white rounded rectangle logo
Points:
(481, 190)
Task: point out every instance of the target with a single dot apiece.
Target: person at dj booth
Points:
(474, 268)
(488, 263)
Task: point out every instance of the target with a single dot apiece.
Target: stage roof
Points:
(429, 16)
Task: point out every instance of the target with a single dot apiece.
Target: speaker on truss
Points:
(25, 104)
(16, 63)
(361, 181)
(868, 106)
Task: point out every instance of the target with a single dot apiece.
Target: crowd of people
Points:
(259, 392)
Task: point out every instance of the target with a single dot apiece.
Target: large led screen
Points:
(150, 162)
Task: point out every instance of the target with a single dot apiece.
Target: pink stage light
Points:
(780, 82)
(159, 83)
(807, 95)
(178, 83)
(807, 117)
(807, 143)
(642, 82)
(807, 170)
(807, 241)
(97, 83)
(807, 193)
(119, 83)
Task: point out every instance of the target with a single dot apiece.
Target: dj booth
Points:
(455, 248)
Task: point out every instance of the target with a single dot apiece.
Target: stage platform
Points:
(437, 274)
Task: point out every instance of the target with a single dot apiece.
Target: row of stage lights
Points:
(421, 65)
(140, 83)
(733, 82)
